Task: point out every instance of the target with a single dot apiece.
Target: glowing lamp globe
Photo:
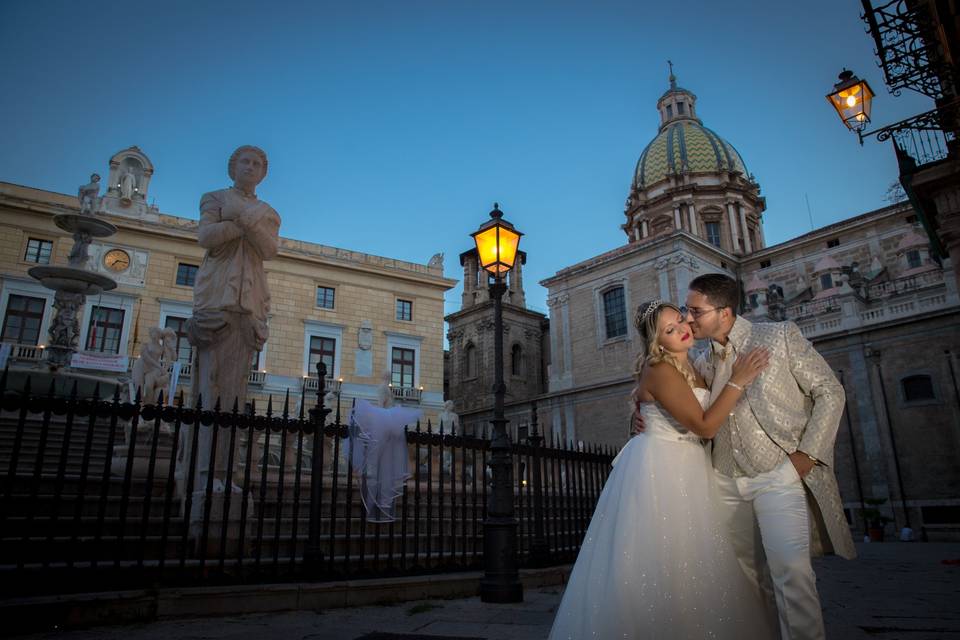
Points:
(852, 97)
(497, 241)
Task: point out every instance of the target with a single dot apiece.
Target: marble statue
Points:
(436, 260)
(384, 392)
(150, 374)
(65, 328)
(80, 252)
(88, 193)
(128, 184)
(230, 297)
(449, 419)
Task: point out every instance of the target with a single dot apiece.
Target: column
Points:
(692, 218)
(734, 234)
(677, 223)
(744, 229)
(644, 229)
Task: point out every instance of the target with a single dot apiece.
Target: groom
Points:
(774, 455)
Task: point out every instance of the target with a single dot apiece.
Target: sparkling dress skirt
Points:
(656, 562)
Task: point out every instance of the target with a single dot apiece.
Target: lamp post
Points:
(497, 241)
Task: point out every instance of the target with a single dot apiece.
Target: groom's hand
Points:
(802, 463)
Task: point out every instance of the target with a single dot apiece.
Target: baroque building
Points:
(362, 315)
(867, 291)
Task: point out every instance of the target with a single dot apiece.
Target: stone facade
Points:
(356, 311)
(866, 291)
(470, 369)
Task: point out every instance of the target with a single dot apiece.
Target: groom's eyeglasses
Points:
(696, 312)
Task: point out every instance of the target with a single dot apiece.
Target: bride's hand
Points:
(748, 366)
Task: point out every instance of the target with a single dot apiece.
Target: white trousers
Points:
(769, 528)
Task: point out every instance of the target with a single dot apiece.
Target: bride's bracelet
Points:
(731, 383)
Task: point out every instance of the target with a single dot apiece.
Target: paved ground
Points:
(894, 590)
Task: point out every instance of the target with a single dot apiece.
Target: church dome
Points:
(685, 146)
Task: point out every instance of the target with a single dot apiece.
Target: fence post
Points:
(539, 550)
(313, 554)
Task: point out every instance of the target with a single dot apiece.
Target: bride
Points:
(655, 562)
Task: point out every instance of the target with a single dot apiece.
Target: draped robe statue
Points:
(230, 299)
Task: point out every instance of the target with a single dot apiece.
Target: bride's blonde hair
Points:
(645, 320)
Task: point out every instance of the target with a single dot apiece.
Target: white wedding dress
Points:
(656, 562)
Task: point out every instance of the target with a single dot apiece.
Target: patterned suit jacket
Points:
(796, 403)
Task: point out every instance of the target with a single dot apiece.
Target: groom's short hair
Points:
(720, 290)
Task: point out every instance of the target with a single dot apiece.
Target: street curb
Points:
(73, 611)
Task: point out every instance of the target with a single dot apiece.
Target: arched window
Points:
(615, 313)
(516, 360)
(470, 362)
(918, 387)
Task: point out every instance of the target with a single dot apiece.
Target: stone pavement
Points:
(894, 590)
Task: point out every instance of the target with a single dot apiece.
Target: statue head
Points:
(448, 406)
(247, 166)
(94, 177)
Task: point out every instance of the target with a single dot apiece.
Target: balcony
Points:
(812, 308)
(408, 394)
(311, 383)
(913, 295)
(26, 352)
(257, 378)
(910, 284)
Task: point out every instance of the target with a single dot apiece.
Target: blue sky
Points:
(393, 126)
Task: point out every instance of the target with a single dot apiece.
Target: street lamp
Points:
(852, 98)
(497, 241)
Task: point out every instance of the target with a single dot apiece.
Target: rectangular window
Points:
(669, 110)
(681, 108)
(22, 322)
(103, 334)
(325, 297)
(38, 251)
(826, 281)
(255, 361)
(186, 274)
(833, 242)
(764, 264)
(404, 310)
(322, 350)
(754, 301)
(404, 361)
(179, 326)
(615, 313)
(913, 258)
(713, 233)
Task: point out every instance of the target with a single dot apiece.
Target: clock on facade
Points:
(116, 260)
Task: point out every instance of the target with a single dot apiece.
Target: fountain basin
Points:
(71, 280)
(73, 222)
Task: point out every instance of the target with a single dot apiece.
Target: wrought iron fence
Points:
(104, 494)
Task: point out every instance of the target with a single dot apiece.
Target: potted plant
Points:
(875, 519)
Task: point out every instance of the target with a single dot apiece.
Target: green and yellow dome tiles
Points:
(685, 146)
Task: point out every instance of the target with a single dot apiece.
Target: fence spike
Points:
(429, 427)
(116, 392)
(26, 387)
(137, 396)
(286, 405)
(418, 426)
(73, 391)
(199, 401)
(270, 406)
(160, 398)
(253, 407)
(216, 405)
(236, 405)
(3, 378)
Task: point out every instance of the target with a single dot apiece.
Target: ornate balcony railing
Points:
(27, 352)
(311, 383)
(411, 394)
(905, 285)
(899, 29)
(257, 378)
(812, 308)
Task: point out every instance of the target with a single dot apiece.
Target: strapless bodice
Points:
(660, 424)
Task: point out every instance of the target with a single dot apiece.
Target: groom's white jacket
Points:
(795, 404)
